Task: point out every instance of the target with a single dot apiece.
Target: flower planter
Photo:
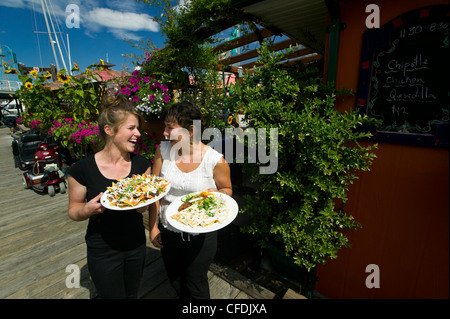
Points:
(282, 264)
(154, 126)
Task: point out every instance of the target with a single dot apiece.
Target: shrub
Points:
(301, 207)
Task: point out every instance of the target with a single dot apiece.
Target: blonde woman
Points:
(115, 239)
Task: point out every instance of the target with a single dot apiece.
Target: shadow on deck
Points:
(38, 241)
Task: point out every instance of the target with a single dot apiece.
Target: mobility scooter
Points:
(41, 163)
(45, 174)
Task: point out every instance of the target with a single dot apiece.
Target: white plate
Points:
(106, 204)
(230, 203)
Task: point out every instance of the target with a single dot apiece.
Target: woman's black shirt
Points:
(121, 230)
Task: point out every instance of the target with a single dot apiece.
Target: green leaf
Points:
(79, 93)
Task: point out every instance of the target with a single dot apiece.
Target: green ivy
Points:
(188, 52)
(301, 207)
(79, 97)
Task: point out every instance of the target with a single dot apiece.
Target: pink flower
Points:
(152, 97)
(125, 91)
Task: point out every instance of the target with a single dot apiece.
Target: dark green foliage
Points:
(301, 206)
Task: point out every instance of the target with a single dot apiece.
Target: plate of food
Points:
(135, 192)
(202, 212)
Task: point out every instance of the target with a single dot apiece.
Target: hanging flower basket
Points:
(148, 93)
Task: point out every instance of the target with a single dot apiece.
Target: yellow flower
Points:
(75, 67)
(47, 76)
(64, 78)
(34, 73)
(29, 85)
(11, 71)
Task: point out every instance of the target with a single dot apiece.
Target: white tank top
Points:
(183, 183)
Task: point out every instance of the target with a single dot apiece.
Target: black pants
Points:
(187, 259)
(116, 274)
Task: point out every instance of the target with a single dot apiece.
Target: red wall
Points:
(402, 202)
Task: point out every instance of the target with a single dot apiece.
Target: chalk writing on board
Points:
(414, 30)
(409, 86)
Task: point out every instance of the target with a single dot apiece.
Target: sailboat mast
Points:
(56, 37)
(50, 35)
(68, 50)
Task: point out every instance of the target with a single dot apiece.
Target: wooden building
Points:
(402, 249)
(403, 202)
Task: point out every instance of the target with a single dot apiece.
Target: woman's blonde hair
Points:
(115, 111)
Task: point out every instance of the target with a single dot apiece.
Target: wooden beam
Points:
(241, 41)
(216, 27)
(299, 53)
(302, 59)
(254, 53)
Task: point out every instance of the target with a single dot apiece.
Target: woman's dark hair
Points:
(184, 113)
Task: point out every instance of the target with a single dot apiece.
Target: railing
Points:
(12, 86)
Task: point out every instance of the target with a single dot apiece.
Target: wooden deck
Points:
(38, 241)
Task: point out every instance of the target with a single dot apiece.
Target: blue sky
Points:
(102, 28)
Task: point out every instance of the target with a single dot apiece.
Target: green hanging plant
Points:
(301, 207)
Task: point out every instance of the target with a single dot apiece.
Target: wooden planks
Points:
(291, 294)
(247, 286)
(38, 241)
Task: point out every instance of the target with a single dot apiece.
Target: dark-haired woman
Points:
(190, 166)
(115, 240)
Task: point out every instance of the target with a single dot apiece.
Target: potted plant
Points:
(67, 109)
(187, 63)
(301, 207)
(78, 137)
(147, 92)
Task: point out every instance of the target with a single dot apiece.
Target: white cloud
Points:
(121, 35)
(13, 3)
(121, 20)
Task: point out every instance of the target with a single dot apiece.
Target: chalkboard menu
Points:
(405, 78)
